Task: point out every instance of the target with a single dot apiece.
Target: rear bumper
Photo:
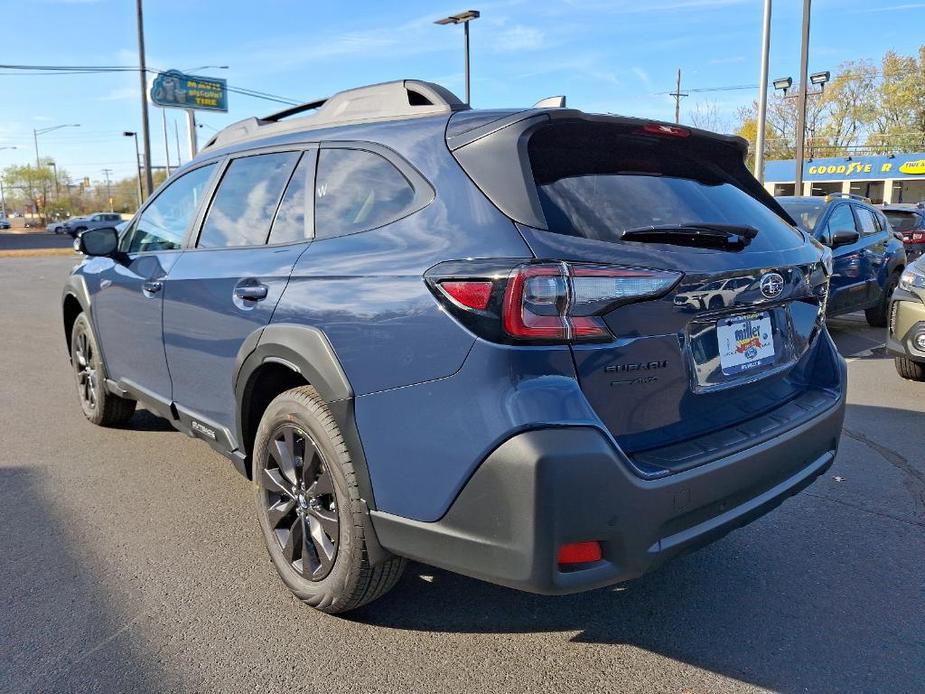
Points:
(544, 488)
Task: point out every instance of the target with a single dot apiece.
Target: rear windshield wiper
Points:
(703, 234)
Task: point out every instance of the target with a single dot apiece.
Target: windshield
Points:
(902, 221)
(805, 212)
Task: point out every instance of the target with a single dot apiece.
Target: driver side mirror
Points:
(103, 241)
(844, 237)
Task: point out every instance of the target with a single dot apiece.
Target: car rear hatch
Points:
(727, 355)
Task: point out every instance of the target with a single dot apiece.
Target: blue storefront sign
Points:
(857, 168)
(175, 89)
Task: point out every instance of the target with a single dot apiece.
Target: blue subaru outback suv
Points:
(450, 335)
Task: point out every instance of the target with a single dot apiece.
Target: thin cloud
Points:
(519, 38)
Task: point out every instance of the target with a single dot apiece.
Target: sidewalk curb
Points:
(36, 252)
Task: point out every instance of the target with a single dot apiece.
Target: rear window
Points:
(595, 185)
(902, 221)
(805, 212)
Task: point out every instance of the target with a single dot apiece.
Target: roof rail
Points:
(385, 101)
(853, 196)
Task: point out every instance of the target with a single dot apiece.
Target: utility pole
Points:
(801, 116)
(106, 173)
(763, 92)
(2, 199)
(143, 79)
(677, 94)
(129, 133)
(176, 134)
(191, 125)
(166, 140)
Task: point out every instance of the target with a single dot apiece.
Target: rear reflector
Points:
(580, 553)
(469, 294)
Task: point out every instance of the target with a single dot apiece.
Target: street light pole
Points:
(801, 115)
(129, 133)
(143, 79)
(463, 18)
(38, 164)
(763, 92)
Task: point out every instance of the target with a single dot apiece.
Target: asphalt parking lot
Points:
(132, 561)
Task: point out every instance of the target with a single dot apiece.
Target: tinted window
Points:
(357, 190)
(246, 199)
(293, 219)
(805, 212)
(866, 217)
(841, 219)
(596, 182)
(902, 221)
(163, 224)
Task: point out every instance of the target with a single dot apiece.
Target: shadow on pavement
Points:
(818, 596)
(65, 632)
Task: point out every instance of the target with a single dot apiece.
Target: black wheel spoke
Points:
(312, 464)
(327, 520)
(279, 510)
(323, 486)
(292, 547)
(273, 481)
(283, 454)
(324, 548)
(310, 561)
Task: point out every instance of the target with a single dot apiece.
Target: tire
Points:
(908, 369)
(878, 316)
(99, 405)
(310, 510)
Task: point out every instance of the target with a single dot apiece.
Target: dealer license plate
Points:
(745, 342)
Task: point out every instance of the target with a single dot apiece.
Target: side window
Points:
(357, 190)
(164, 222)
(293, 218)
(246, 199)
(841, 219)
(866, 217)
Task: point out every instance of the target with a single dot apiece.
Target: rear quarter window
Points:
(357, 190)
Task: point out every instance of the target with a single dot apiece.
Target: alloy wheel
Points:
(299, 502)
(87, 381)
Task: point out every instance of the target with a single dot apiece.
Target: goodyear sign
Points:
(174, 89)
(858, 168)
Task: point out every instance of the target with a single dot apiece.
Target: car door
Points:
(873, 251)
(127, 302)
(227, 285)
(848, 286)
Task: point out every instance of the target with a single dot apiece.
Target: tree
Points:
(899, 120)
(29, 182)
(706, 116)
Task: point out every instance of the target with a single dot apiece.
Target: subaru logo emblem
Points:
(772, 285)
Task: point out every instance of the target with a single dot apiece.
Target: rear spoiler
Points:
(485, 153)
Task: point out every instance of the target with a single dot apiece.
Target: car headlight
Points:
(912, 279)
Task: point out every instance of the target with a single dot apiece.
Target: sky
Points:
(617, 56)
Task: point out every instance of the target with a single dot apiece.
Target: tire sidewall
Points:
(342, 579)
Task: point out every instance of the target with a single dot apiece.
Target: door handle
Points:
(251, 292)
(152, 286)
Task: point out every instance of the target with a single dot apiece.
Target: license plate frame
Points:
(745, 342)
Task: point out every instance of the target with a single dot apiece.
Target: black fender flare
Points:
(306, 351)
(75, 287)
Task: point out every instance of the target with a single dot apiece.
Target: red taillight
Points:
(580, 553)
(918, 235)
(550, 302)
(471, 294)
(562, 301)
(665, 130)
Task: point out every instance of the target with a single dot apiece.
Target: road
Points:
(132, 561)
(33, 240)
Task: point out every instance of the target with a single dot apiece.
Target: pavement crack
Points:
(864, 509)
(913, 477)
